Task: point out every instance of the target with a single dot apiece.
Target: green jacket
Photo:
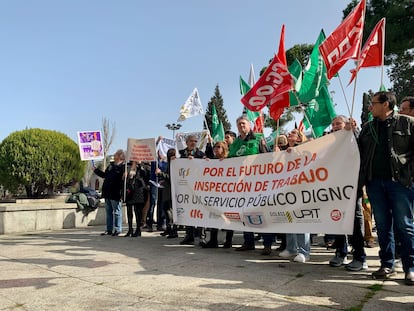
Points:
(248, 146)
(400, 133)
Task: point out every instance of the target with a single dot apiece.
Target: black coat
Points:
(113, 181)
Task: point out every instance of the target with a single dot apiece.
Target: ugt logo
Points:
(183, 173)
(196, 213)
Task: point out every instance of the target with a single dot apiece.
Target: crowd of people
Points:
(385, 189)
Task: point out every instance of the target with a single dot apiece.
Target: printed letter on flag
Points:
(372, 53)
(345, 42)
(275, 81)
(192, 107)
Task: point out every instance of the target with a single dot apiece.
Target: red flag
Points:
(344, 42)
(259, 124)
(301, 127)
(372, 53)
(278, 107)
(281, 53)
(274, 81)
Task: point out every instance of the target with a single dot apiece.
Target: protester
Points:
(247, 143)
(135, 197)
(111, 191)
(281, 143)
(407, 106)
(387, 169)
(297, 244)
(191, 151)
(220, 151)
(229, 137)
(162, 165)
(357, 239)
(171, 229)
(153, 194)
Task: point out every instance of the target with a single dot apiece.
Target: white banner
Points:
(141, 150)
(311, 189)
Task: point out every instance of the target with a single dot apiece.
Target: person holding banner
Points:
(191, 151)
(340, 244)
(111, 191)
(387, 170)
(220, 151)
(247, 143)
(297, 245)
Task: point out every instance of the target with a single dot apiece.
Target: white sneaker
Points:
(300, 258)
(285, 254)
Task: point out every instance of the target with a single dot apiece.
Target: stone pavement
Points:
(81, 270)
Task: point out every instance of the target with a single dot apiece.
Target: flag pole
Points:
(306, 117)
(206, 125)
(311, 126)
(358, 62)
(343, 92)
(383, 53)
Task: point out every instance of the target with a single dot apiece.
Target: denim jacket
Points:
(400, 133)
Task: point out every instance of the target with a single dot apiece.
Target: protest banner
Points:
(90, 145)
(310, 189)
(141, 150)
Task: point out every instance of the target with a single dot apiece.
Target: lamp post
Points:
(173, 127)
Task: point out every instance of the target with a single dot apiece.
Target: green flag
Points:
(320, 112)
(216, 126)
(314, 74)
(220, 133)
(296, 71)
(244, 88)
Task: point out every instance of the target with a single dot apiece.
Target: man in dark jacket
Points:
(111, 191)
(387, 169)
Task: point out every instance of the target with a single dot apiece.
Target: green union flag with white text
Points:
(216, 126)
(320, 112)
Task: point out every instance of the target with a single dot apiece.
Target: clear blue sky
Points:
(66, 64)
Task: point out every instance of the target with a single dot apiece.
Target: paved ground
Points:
(81, 270)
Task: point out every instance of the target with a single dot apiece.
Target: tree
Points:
(401, 73)
(217, 100)
(39, 160)
(108, 135)
(399, 39)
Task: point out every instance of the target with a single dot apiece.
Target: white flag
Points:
(192, 107)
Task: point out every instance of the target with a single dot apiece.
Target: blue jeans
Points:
(298, 243)
(392, 206)
(113, 210)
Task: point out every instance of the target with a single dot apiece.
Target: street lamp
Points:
(173, 127)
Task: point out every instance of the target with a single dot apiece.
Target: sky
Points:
(67, 64)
